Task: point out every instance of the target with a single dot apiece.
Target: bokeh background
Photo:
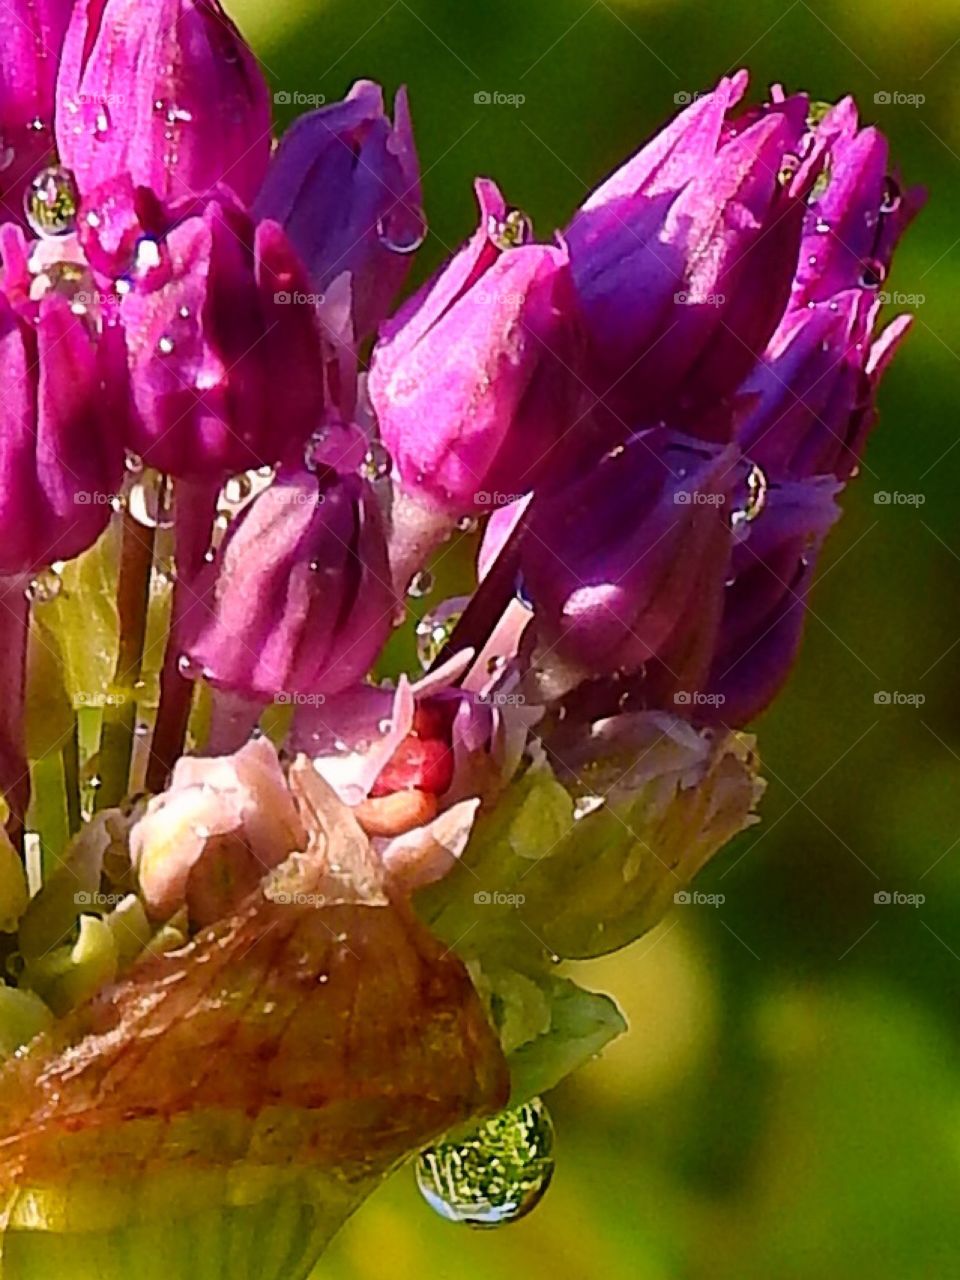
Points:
(786, 1105)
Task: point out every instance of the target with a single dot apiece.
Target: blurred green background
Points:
(786, 1105)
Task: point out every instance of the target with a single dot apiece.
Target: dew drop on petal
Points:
(494, 1176)
(402, 229)
(51, 202)
(433, 632)
(146, 507)
(872, 273)
(377, 462)
(166, 346)
(102, 123)
(512, 231)
(891, 197)
(757, 485)
(788, 169)
(237, 490)
(421, 585)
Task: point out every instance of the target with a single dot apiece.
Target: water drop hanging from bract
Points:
(496, 1175)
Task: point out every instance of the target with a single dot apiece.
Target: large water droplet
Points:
(45, 587)
(433, 632)
(891, 197)
(494, 1176)
(237, 490)
(147, 506)
(51, 202)
(512, 231)
(377, 462)
(402, 229)
(873, 273)
(421, 585)
(585, 805)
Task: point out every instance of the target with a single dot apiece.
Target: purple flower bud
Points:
(225, 353)
(345, 186)
(472, 380)
(298, 600)
(684, 258)
(62, 417)
(855, 221)
(771, 573)
(165, 91)
(28, 72)
(626, 565)
(811, 398)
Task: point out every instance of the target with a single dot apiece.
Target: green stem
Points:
(120, 715)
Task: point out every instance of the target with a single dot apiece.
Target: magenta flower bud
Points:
(769, 580)
(165, 91)
(298, 600)
(345, 186)
(28, 72)
(62, 418)
(625, 566)
(472, 380)
(224, 349)
(684, 258)
(811, 399)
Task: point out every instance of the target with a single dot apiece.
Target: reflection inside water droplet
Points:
(497, 1174)
(512, 231)
(51, 202)
(45, 587)
(402, 229)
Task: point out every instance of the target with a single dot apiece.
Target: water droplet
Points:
(45, 587)
(512, 231)
(133, 463)
(822, 227)
(585, 805)
(51, 202)
(377, 462)
(102, 123)
(421, 585)
(891, 197)
(433, 632)
(146, 256)
(757, 486)
(166, 346)
(468, 524)
(402, 229)
(873, 273)
(788, 169)
(189, 669)
(494, 1176)
(147, 507)
(7, 155)
(237, 490)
